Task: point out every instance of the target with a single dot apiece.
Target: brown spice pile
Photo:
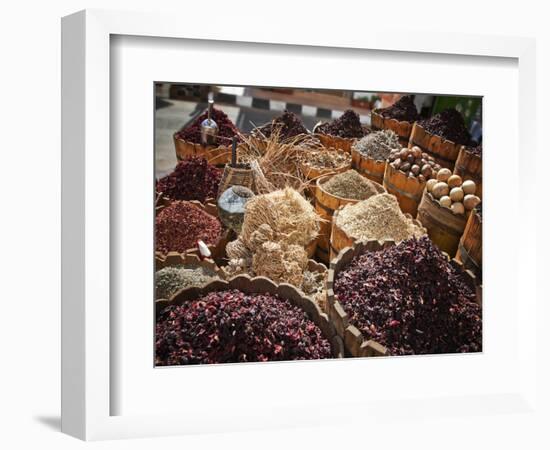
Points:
(352, 185)
(326, 159)
(378, 218)
(181, 224)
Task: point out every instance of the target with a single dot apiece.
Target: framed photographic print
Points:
(262, 232)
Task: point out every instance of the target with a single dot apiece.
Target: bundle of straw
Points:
(276, 162)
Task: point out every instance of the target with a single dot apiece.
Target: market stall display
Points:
(398, 118)
(241, 253)
(403, 299)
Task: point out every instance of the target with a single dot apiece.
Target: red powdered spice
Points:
(226, 129)
(192, 179)
(181, 224)
(231, 326)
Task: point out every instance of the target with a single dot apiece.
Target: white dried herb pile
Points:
(378, 218)
(351, 185)
(171, 279)
(378, 145)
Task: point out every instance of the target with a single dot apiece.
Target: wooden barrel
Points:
(444, 152)
(217, 156)
(370, 168)
(313, 173)
(408, 190)
(469, 166)
(339, 239)
(262, 285)
(470, 248)
(354, 342)
(325, 205)
(337, 142)
(400, 127)
(444, 227)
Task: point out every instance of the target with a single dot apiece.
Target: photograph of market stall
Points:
(304, 224)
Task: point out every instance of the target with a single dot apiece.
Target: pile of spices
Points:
(171, 279)
(231, 326)
(348, 125)
(192, 179)
(326, 159)
(378, 145)
(351, 185)
(411, 300)
(226, 129)
(378, 218)
(403, 109)
(288, 126)
(449, 124)
(181, 224)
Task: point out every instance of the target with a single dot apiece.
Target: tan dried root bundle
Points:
(275, 161)
(289, 216)
(280, 262)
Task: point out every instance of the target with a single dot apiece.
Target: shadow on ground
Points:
(51, 422)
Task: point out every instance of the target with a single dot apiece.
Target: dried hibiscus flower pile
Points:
(411, 300)
(192, 179)
(348, 125)
(226, 128)
(231, 326)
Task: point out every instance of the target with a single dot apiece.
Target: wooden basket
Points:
(325, 205)
(470, 246)
(469, 166)
(372, 169)
(443, 151)
(407, 190)
(354, 342)
(262, 285)
(217, 156)
(339, 239)
(337, 142)
(444, 227)
(402, 128)
(217, 250)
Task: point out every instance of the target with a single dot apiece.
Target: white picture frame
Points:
(87, 316)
